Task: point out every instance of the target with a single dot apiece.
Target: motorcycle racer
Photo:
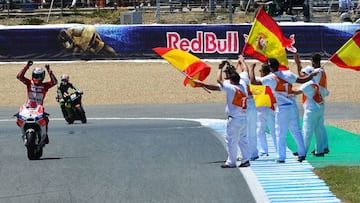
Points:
(36, 88)
(62, 92)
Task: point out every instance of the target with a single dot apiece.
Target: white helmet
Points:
(65, 78)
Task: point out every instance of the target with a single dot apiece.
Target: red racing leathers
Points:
(36, 92)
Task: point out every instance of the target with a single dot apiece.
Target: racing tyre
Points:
(69, 120)
(32, 152)
(81, 114)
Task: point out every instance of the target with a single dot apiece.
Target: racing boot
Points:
(46, 139)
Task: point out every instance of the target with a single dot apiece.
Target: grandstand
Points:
(320, 10)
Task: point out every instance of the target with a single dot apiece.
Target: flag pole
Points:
(188, 76)
(327, 61)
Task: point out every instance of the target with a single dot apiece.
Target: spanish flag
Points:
(348, 56)
(266, 40)
(263, 96)
(190, 65)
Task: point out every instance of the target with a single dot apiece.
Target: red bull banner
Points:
(118, 42)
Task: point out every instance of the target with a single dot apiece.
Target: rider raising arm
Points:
(36, 88)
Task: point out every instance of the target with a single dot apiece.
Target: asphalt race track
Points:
(130, 153)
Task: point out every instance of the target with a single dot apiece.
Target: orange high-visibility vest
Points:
(322, 81)
(281, 86)
(317, 96)
(239, 99)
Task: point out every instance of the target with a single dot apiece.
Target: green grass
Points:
(344, 182)
(340, 169)
(32, 21)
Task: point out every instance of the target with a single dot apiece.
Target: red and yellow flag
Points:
(188, 64)
(266, 40)
(348, 56)
(263, 96)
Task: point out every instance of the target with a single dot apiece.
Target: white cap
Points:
(307, 70)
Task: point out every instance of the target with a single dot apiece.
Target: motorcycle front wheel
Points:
(32, 152)
(68, 115)
(69, 120)
(81, 114)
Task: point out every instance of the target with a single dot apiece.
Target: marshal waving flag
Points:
(190, 65)
(266, 40)
(263, 96)
(348, 56)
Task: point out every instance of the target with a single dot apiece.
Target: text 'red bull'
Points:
(205, 42)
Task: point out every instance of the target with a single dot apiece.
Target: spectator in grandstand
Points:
(73, 4)
(289, 4)
(187, 4)
(357, 13)
(345, 6)
(279, 7)
(270, 6)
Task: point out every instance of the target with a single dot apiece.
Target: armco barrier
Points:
(18, 43)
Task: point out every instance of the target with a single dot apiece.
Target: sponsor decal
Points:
(205, 42)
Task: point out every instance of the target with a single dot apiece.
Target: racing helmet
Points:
(38, 74)
(65, 78)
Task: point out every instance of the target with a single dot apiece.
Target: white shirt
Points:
(309, 92)
(323, 91)
(282, 97)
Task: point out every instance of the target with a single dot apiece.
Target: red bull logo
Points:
(205, 42)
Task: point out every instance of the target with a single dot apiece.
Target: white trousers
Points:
(311, 126)
(265, 118)
(236, 136)
(251, 117)
(323, 129)
(287, 117)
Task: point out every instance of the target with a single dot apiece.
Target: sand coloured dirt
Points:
(124, 82)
